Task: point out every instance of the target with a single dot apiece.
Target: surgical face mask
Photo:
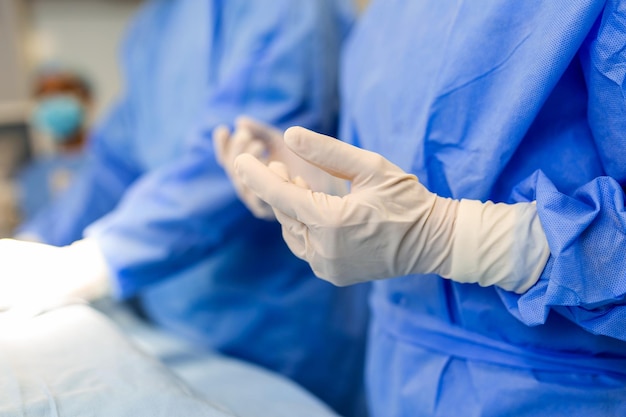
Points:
(59, 116)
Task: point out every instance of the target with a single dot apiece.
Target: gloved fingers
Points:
(338, 158)
(221, 135)
(259, 130)
(241, 142)
(294, 243)
(257, 149)
(300, 182)
(293, 230)
(227, 148)
(282, 195)
(259, 208)
(279, 169)
(294, 234)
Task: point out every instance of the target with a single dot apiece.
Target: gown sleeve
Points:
(282, 69)
(585, 277)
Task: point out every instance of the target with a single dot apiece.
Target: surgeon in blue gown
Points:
(518, 103)
(166, 219)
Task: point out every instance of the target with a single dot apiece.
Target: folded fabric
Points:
(74, 362)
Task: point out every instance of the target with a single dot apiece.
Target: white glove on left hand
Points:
(39, 274)
(266, 144)
(391, 225)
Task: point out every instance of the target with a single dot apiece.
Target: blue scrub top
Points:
(503, 101)
(167, 217)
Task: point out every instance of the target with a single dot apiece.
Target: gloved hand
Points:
(39, 274)
(391, 225)
(267, 145)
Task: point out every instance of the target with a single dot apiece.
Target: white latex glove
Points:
(36, 274)
(267, 145)
(391, 225)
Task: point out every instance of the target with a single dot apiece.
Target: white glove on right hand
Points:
(266, 144)
(391, 225)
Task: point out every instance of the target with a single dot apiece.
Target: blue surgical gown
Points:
(510, 102)
(179, 239)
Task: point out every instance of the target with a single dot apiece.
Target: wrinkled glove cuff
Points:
(498, 244)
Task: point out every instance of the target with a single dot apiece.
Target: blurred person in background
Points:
(63, 99)
(162, 223)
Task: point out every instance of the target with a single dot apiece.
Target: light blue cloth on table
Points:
(510, 102)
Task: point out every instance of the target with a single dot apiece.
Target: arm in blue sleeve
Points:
(170, 219)
(585, 278)
(96, 189)
(278, 63)
(281, 68)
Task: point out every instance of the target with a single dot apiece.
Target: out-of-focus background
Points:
(80, 35)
